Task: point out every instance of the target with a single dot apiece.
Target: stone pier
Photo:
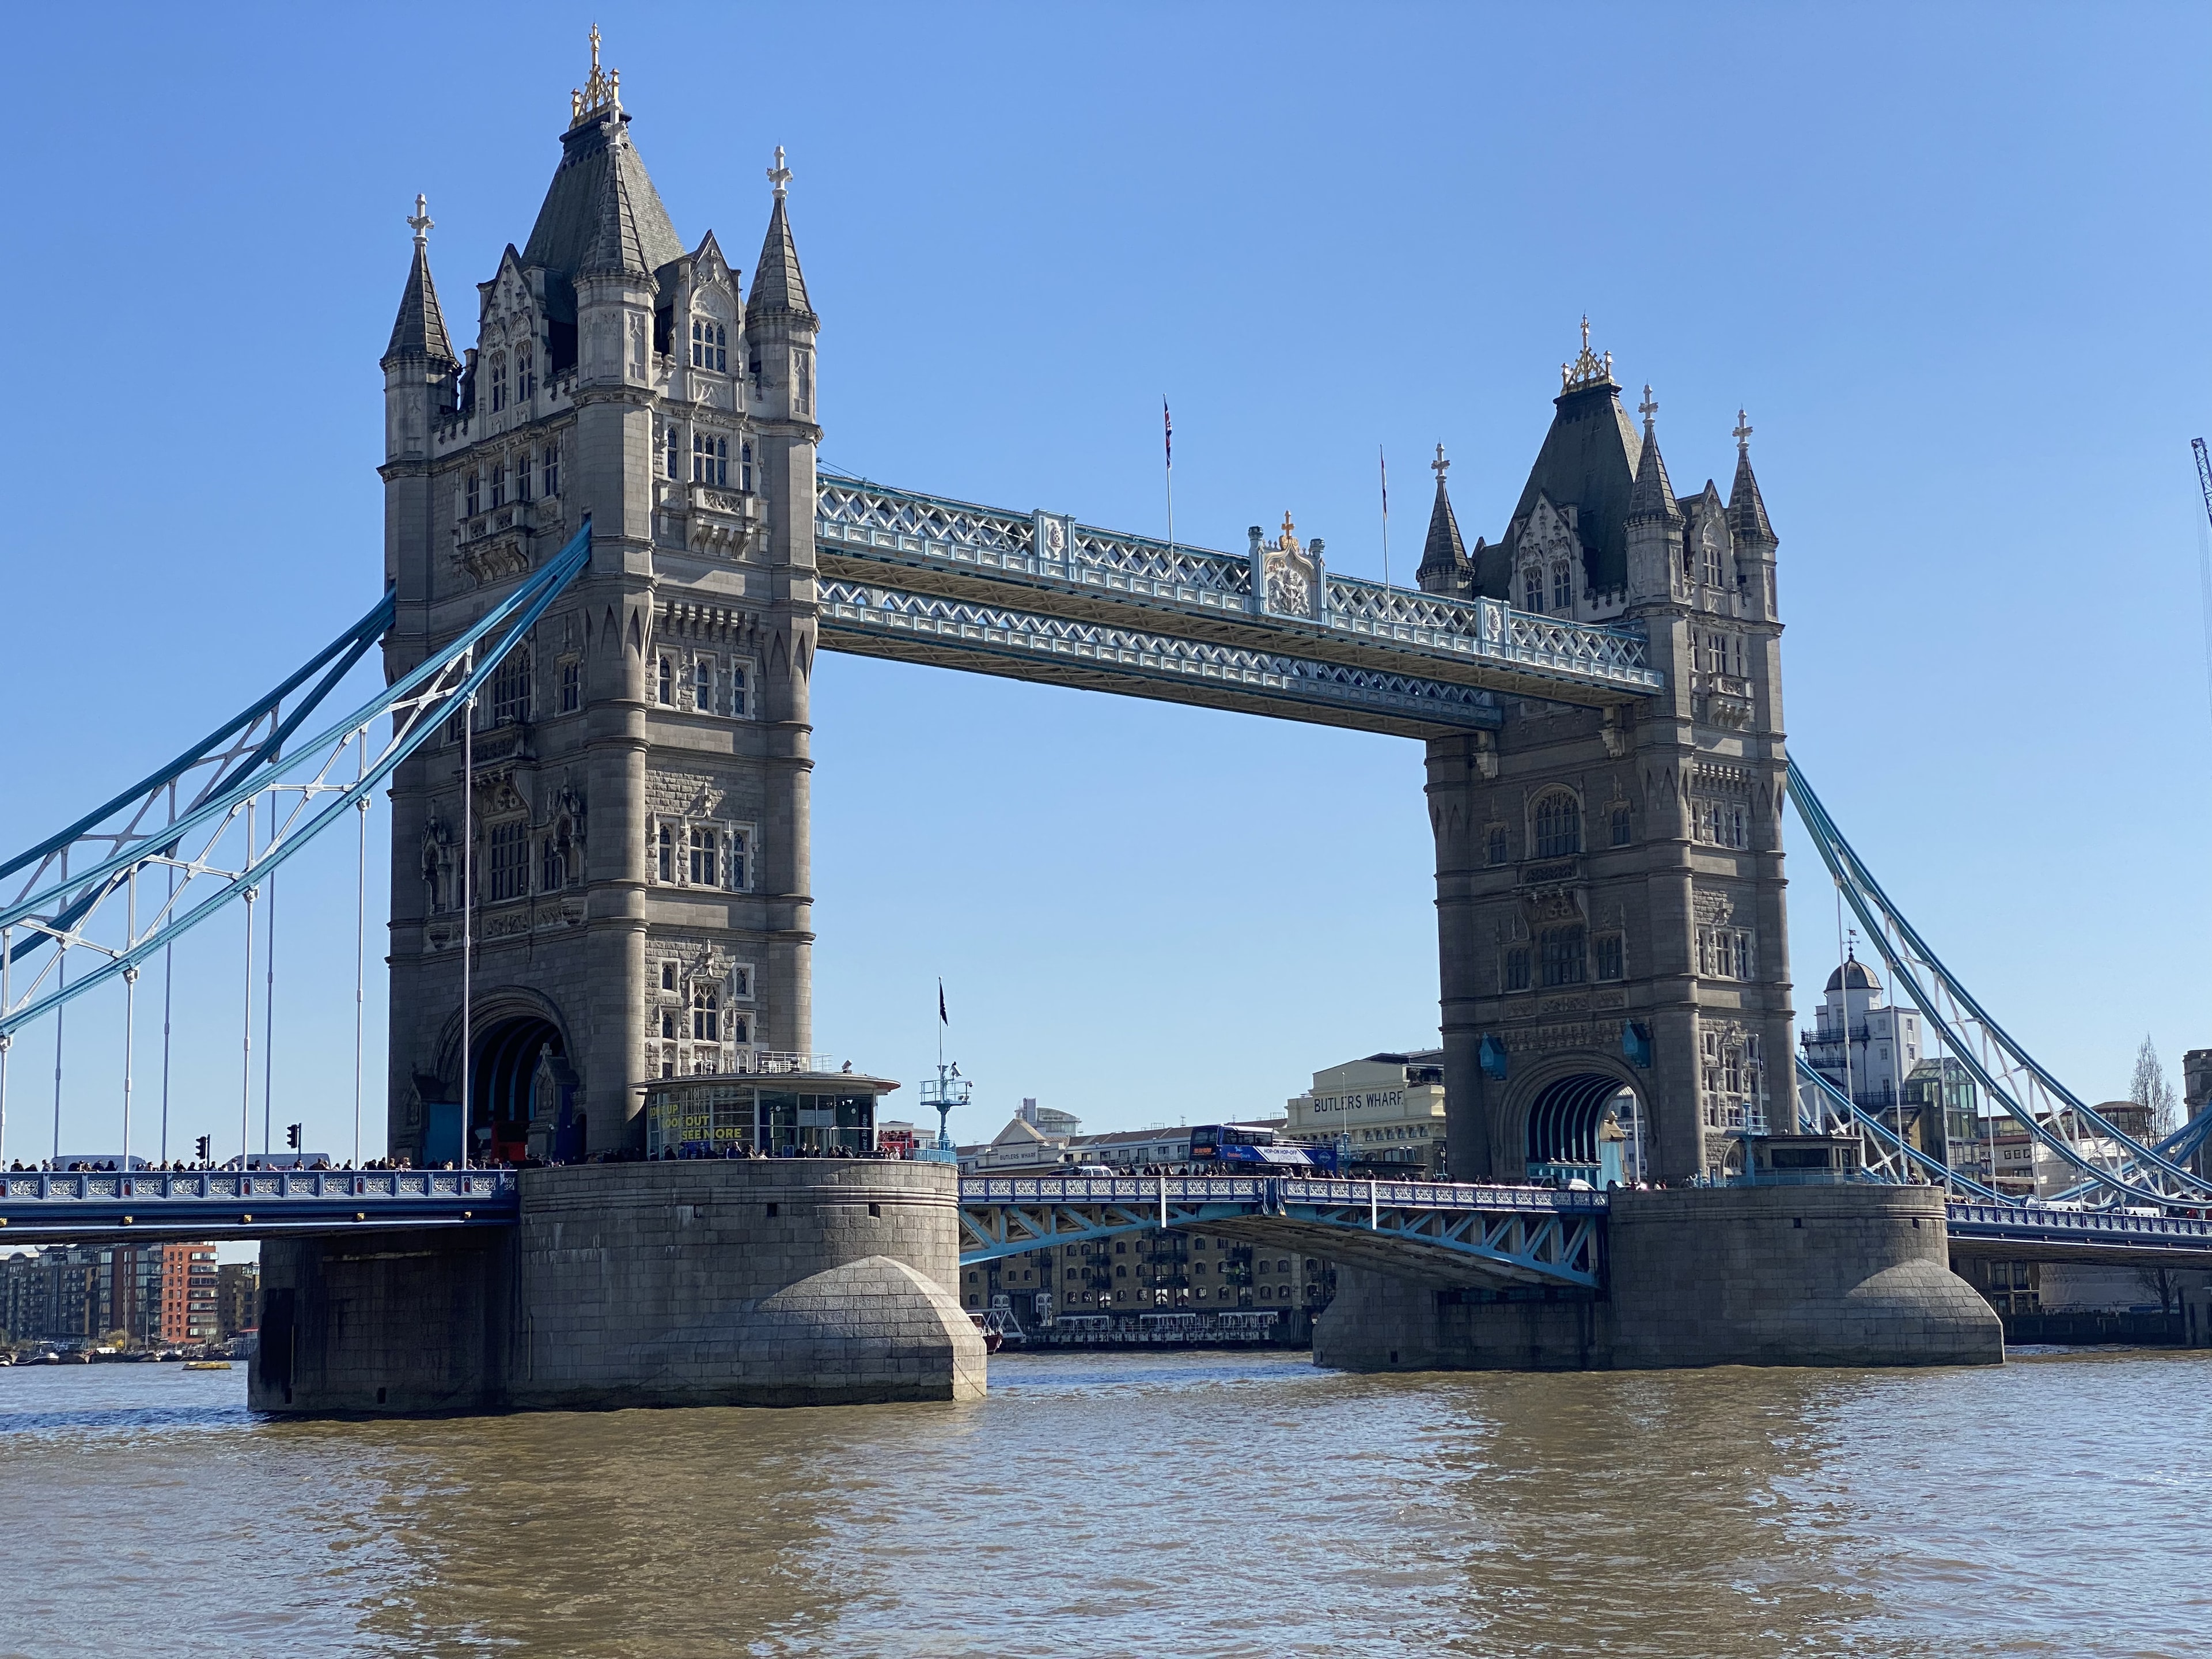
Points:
(1842, 1275)
(789, 1281)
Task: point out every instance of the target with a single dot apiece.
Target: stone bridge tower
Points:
(640, 787)
(1609, 884)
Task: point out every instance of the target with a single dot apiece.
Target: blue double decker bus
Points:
(1252, 1149)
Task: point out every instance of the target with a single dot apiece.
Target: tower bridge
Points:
(613, 564)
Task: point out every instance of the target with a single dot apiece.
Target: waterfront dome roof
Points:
(1862, 977)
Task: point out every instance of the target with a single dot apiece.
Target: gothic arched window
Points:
(1558, 825)
(710, 460)
(1532, 589)
(525, 373)
(745, 468)
(668, 449)
(706, 1014)
(1623, 832)
(1712, 565)
(1563, 592)
(709, 346)
(498, 381)
(1564, 957)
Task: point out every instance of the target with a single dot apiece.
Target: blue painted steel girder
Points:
(1050, 566)
(1133, 657)
(152, 1207)
(1437, 1232)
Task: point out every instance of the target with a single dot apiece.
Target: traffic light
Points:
(200, 1148)
(292, 1136)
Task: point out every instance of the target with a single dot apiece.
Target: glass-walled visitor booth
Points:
(796, 1113)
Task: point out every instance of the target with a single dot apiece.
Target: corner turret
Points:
(1445, 568)
(418, 364)
(780, 320)
(1654, 520)
(1755, 541)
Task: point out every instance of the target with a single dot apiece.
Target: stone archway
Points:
(1565, 1134)
(503, 1061)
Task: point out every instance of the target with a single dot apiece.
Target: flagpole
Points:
(1167, 428)
(1383, 463)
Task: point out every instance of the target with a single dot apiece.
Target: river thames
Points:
(1189, 1503)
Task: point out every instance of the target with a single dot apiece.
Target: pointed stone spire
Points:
(778, 284)
(1444, 567)
(618, 241)
(1652, 494)
(418, 333)
(1746, 512)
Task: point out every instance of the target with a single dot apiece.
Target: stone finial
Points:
(421, 224)
(1742, 433)
(1440, 465)
(779, 175)
(1648, 409)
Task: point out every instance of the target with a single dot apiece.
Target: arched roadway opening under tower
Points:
(1583, 1126)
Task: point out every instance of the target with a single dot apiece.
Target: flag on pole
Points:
(943, 1018)
(1383, 463)
(1167, 424)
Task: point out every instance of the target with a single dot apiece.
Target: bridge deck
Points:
(155, 1207)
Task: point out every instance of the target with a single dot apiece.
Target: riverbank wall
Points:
(790, 1282)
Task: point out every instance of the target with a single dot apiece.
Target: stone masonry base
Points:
(803, 1281)
(1855, 1275)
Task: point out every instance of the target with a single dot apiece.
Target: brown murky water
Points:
(1195, 1504)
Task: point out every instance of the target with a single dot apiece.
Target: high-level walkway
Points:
(1038, 596)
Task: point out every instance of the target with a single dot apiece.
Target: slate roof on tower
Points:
(1747, 511)
(1589, 459)
(1444, 554)
(778, 284)
(601, 212)
(419, 331)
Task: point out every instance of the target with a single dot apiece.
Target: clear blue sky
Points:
(1953, 260)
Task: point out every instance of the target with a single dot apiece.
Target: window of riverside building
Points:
(499, 483)
(667, 975)
(507, 867)
(526, 372)
(710, 347)
(1558, 825)
(549, 470)
(737, 691)
(572, 687)
(1608, 956)
(710, 459)
(1516, 968)
(668, 449)
(1563, 592)
(1621, 828)
(522, 476)
(498, 381)
(1532, 589)
(668, 1022)
(470, 496)
(666, 847)
(706, 1014)
(1496, 850)
(1712, 566)
(745, 468)
(702, 685)
(703, 857)
(667, 686)
(1561, 949)
(737, 850)
(552, 867)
